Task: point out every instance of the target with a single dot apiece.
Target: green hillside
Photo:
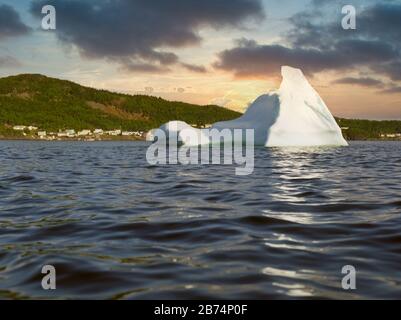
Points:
(368, 129)
(53, 104)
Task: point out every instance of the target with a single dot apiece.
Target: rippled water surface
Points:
(116, 227)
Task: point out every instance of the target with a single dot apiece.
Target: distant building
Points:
(127, 133)
(84, 133)
(69, 133)
(114, 132)
(19, 128)
(32, 128)
(42, 134)
(98, 131)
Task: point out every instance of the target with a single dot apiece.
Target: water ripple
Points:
(117, 228)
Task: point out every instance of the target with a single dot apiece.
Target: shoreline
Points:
(111, 139)
(70, 140)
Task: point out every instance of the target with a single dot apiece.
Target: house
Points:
(127, 133)
(84, 133)
(113, 132)
(19, 128)
(32, 128)
(42, 134)
(98, 131)
(70, 133)
(62, 135)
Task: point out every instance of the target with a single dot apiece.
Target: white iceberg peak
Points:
(294, 115)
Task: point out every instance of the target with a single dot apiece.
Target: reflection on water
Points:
(118, 228)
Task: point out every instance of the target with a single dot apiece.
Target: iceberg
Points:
(179, 132)
(293, 115)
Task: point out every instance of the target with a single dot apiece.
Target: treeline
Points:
(368, 129)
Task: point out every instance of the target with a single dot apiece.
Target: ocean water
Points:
(116, 227)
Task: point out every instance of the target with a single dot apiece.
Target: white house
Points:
(42, 134)
(19, 128)
(84, 133)
(98, 131)
(114, 132)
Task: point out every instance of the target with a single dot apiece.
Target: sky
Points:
(225, 52)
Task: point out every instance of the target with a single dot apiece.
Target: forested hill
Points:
(355, 129)
(53, 104)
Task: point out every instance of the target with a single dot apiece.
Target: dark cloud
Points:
(391, 69)
(194, 68)
(142, 32)
(392, 90)
(250, 58)
(382, 21)
(10, 23)
(143, 67)
(365, 81)
(316, 43)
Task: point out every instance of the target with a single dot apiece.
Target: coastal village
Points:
(32, 132)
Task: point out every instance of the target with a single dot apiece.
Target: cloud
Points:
(194, 68)
(9, 62)
(392, 90)
(10, 23)
(316, 43)
(366, 81)
(128, 65)
(249, 58)
(141, 33)
(382, 21)
(392, 69)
